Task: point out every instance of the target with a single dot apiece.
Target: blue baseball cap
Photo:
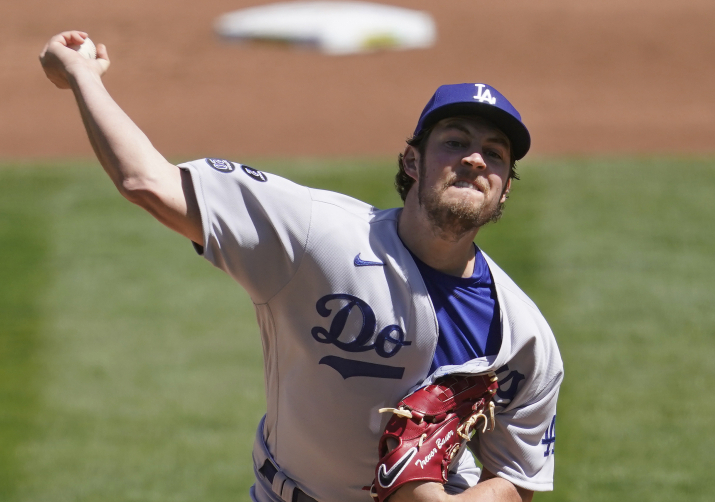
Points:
(477, 99)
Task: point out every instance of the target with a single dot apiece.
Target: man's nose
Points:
(474, 160)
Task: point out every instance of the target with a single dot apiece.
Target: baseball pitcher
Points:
(396, 351)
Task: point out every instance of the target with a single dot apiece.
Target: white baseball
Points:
(87, 49)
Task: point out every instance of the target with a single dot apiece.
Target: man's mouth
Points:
(466, 184)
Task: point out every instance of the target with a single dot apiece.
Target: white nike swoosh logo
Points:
(387, 478)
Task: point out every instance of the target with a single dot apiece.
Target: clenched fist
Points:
(61, 63)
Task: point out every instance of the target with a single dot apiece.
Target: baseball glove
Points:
(428, 428)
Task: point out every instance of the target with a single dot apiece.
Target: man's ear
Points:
(410, 161)
(505, 193)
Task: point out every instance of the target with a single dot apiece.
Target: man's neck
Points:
(453, 255)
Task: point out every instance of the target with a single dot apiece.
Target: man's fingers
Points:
(58, 58)
(74, 37)
(102, 58)
(66, 38)
(102, 52)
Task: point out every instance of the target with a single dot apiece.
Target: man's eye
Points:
(494, 153)
(454, 144)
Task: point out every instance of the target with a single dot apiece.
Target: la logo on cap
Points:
(484, 95)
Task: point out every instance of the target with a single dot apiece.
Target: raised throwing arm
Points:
(140, 173)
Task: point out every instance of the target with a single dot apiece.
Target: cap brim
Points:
(516, 131)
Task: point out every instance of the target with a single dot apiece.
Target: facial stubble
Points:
(452, 219)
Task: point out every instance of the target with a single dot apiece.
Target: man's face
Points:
(463, 175)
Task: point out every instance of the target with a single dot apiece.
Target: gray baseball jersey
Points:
(348, 327)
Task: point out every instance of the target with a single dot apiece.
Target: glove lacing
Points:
(466, 429)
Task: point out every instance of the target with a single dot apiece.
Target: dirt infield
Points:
(598, 76)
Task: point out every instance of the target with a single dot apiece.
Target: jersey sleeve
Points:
(255, 225)
(521, 446)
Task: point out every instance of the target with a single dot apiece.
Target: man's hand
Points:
(140, 173)
(60, 62)
(490, 488)
(418, 491)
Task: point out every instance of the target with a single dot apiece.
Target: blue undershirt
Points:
(467, 313)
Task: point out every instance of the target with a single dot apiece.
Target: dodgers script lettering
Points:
(386, 345)
(388, 341)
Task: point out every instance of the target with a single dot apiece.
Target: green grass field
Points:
(131, 370)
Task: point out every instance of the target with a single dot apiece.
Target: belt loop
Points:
(288, 490)
(278, 480)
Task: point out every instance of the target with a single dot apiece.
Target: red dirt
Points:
(604, 77)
